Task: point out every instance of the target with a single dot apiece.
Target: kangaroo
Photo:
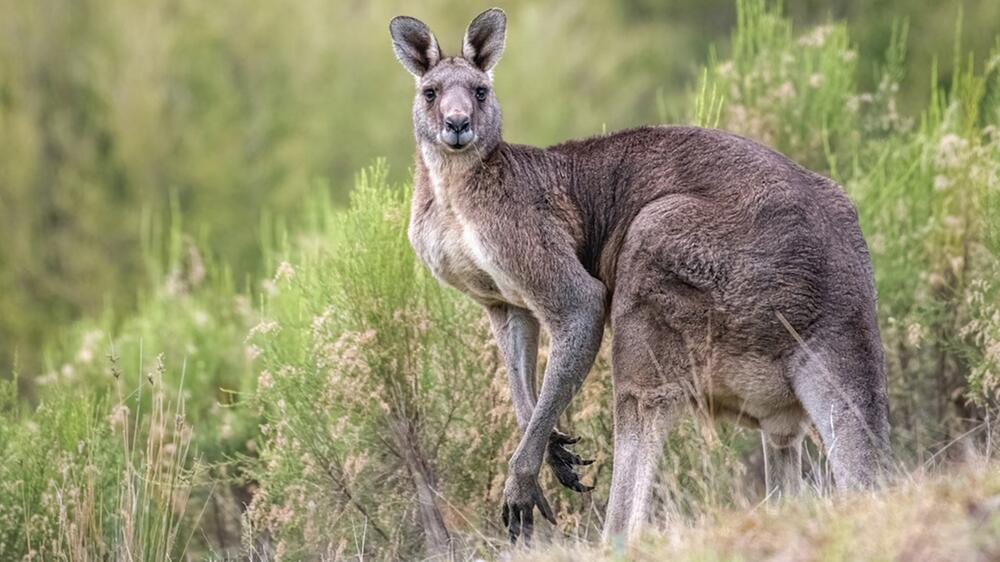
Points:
(729, 277)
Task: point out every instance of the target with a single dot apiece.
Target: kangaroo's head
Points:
(455, 109)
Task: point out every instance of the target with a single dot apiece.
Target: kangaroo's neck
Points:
(518, 172)
(445, 176)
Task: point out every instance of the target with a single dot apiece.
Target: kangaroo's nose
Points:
(459, 123)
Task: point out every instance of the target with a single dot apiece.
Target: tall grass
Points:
(193, 315)
(88, 478)
(111, 371)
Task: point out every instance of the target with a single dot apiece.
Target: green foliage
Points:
(332, 393)
(925, 196)
(113, 111)
(194, 318)
(795, 93)
(78, 482)
(374, 377)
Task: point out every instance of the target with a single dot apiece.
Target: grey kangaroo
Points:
(730, 277)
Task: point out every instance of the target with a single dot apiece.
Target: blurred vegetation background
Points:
(215, 341)
(119, 117)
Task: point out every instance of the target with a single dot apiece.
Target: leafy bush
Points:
(375, 388)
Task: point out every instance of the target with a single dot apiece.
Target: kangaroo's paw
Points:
(521, 496)
(562, 461)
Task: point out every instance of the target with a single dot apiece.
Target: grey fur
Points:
(516, 331)
(730, 276)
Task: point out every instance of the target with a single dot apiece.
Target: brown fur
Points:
(731, 277)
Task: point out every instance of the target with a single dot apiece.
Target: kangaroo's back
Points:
(764, 209)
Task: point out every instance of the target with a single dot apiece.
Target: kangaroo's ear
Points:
(414, 44)
(484, 39)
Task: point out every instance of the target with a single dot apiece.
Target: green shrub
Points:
(376, 387)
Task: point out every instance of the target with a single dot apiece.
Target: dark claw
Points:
(527, 524)
(511, 517)
(562, 461)
(563, 439)
(515, 525)
(545, 509)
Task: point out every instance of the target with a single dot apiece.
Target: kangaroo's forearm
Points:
(574, 347)
(516, 332)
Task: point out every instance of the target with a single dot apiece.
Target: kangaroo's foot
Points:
(562, 461)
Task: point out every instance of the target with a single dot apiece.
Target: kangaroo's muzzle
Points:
(457, 132)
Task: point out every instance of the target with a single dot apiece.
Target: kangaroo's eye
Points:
(430, 94)
(481, 93)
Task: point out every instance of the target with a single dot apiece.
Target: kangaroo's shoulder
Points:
(650, 135)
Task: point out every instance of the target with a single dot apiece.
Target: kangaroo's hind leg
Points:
(645, 362)
(839, 377)
(640, 430)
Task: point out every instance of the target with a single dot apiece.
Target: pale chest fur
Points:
(453, 246)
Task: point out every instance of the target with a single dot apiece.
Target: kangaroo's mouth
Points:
(457, 142)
